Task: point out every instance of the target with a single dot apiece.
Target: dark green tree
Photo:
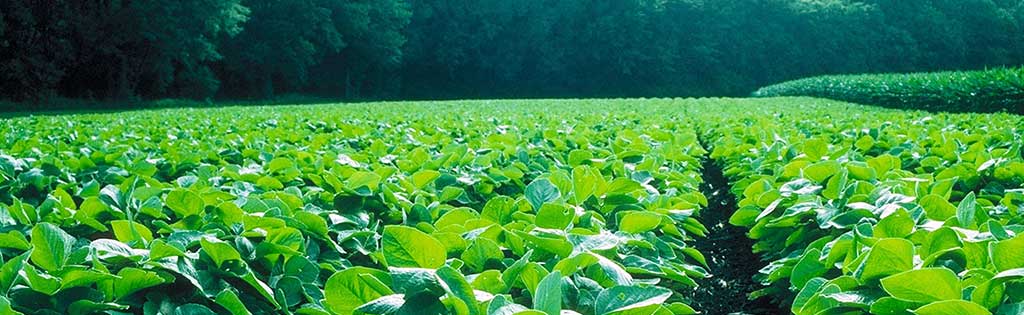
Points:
(281, 41)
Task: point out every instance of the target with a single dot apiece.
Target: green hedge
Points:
(957, 91)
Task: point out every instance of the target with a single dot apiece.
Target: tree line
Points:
(424, 49)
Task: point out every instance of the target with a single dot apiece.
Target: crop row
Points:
(389, 208)
(878, 211)
(993, 90)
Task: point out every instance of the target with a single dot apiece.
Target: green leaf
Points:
(887, 257)
(540, 191)
(1008, 254)
(367, 180)
(639, 221)
(133, 279)
(937, 208)
(389, 304)
(40, 281)
(278, 164)
(269, 183)
(230, 301)
(348, 289)
(897, 225)
(548, 297)
(423, 178)
(456, 285)
(815, 149)
(481, 252)
(219, 251)
(952, 307)
(892, 306)
(623, 298)
(821, 171)
(193, 309)
(52, 246)
(408, 247)
(9, 272)
(415, 280)
(502, 306)
(80, 276)
(924, 285)
(554, 216)
(131, 232)
(499, 209)
(966, 211)
(184, 203)
(585, 181)
(1011, 309)
(15, 240)
(5, 306)
(489, 281)
(809, 267)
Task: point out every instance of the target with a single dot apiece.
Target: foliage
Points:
(506, 207)
(433, 49)
(972, 91)
(877, 211)
(430, 208)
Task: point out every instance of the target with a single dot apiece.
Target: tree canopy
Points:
(424, 49)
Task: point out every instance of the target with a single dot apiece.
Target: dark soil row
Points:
(729, 256)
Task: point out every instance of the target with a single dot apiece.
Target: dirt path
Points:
(727, 250)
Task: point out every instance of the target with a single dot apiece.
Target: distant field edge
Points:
(981, 91)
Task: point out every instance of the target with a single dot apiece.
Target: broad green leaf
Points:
(482, 252)
(937, 208)
(51, 246)
(193, 309)
(892, 306)
(80, 276)
(952, 307)
(367, 180)
(415, 280)
(389, 304)
(622, 298)
(924, 285)
(87, 307)
(408, 247)
(5, 306)
(1011, 309)
(819, 172)
(455, 284)
(230, 301)
(887, 257)
(422, 178)
(10, 270)
(219, 251)
(499, 209)
(278, 164)
(1008, 254)
(184, 203)
(131, 232)
(502, 306)
(639, 221)
(540, 191)
(489, 281)
(554, 216)
(897, 225)
(585, 182)
(966, 211)
(815, 149)
(548, 297)
(809, 267)
(133, 279)
(348, 289)
(15, 240)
